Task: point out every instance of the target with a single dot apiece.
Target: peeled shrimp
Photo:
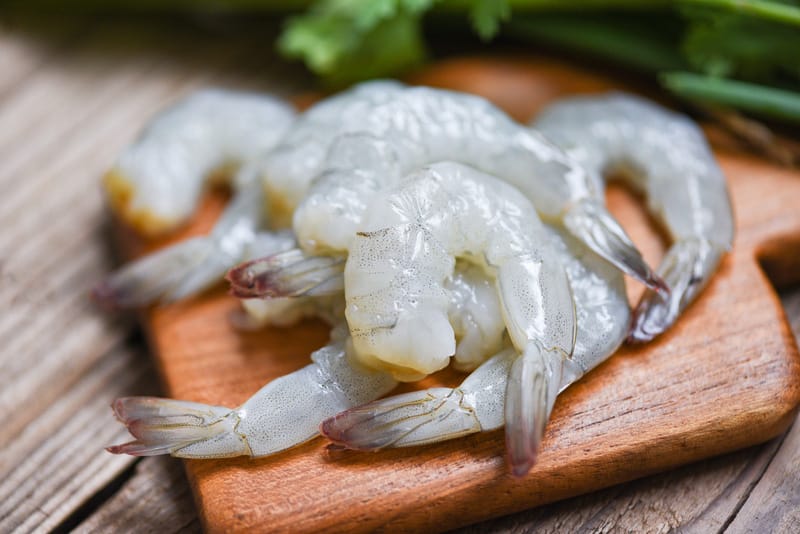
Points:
(284, 413)
(665, 156)
(478, 404)
(419, 126)
(404, 250)
(157, 182)
(295, 162)
(288, 410)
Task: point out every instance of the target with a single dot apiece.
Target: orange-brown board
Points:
(725, 377)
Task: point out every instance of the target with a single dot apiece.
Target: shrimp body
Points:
(300, 156)
(397, 306)
(665, 156)
(157, 181)
(420, 126)
(406, 247)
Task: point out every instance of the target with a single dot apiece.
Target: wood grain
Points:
(53, 466)
(65, 91)
(156, 499)
(724, 378)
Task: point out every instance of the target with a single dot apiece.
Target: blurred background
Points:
(79, 77)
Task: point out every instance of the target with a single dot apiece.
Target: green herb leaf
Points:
(486, 16)
(732, 44)
(350, 40)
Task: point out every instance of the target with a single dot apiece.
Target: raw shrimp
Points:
(284, 413)
(477, 405)
(292, 165)
(419, 126)
(665, 156)
(405, 249)
(157, 182)
(288, 410)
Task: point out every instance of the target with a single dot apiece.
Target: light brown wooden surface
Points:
(725, 377)
(72, 93)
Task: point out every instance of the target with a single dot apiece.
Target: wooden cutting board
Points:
(725, 377)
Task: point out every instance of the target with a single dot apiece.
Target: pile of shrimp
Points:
(428, 228)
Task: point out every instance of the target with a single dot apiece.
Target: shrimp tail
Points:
(167, 275)
(182, 429)
(292, 273)
(592, 224)
(533, 385)
(686, 268)
(414, 418)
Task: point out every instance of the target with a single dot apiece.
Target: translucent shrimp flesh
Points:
(157, 182)
(419, 126)
(478, 404)
(288, 410)
(405, 249)
(284, 413)
(665, 156)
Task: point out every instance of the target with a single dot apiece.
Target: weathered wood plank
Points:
(52, 248)
(156, 499)
(57, 461)
(22, 51)
(59, 367)
(774, 503)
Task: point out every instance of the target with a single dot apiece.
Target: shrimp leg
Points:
(665, 156)
(427, 416)
(481, 403)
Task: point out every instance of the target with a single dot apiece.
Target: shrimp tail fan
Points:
(533, 385)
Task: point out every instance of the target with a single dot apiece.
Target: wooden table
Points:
(73, 92)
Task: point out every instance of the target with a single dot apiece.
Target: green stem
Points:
(577, 6)
(605, 37)
(764, 9)
(279, 7)
(748, 97)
